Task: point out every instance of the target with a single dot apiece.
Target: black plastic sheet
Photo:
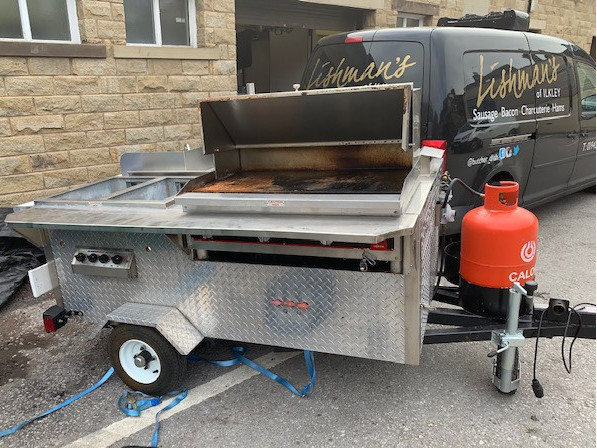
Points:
(17, 256)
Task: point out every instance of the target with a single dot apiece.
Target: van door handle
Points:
(572, 135)
(584, 134)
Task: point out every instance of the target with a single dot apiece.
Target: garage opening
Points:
(274, 39)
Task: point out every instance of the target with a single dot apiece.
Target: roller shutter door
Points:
(296, 14)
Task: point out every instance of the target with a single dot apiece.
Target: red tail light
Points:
(352, 39)
(54, 318)
(49, 325)
(439, 144)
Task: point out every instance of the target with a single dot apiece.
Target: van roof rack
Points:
(510, 19)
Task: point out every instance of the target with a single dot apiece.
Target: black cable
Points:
(579, 328)
(568, 366)
(442, 246)
(537, 387)
(461, 182)
(441, 262)
(584, 303)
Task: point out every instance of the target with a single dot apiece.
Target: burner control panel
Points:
(104, 262)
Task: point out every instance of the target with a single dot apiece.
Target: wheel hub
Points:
(142, 359)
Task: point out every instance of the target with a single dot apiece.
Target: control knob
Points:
(80, 257)
(103, 258)
(92, 258)
(117, 259)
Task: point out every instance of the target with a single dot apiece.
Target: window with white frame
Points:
(409, 20)
(39, 20)
(161, 22)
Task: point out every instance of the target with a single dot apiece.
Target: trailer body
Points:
(308, 221)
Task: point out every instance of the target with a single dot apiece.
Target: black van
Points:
(507, 105)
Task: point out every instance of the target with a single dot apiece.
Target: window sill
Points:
(50, 50)
(361, 4)
(145, 52)
(416, 7)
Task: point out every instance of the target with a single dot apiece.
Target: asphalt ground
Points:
(447, 401)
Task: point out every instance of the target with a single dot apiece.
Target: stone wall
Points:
(381, 18)
(573, 20)
(65, 121)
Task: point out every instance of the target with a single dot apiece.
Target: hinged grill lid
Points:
(347, 116)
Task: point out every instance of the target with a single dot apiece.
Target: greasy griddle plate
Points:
(354, 181)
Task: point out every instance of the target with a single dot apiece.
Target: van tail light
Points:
(353, 39)
(439, 144)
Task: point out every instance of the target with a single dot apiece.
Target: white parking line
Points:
(130, 425)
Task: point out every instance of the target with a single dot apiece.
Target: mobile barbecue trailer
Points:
(310, 220)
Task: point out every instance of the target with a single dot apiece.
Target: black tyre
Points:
(145, 360)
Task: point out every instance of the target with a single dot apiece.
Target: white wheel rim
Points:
(144, 375)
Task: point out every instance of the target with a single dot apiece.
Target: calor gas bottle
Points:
(498, 248)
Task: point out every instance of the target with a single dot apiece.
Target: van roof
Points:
(418, 33)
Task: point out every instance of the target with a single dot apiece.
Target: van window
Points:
(586, 84)
(507, 87)
(497, 87)
(553, 88)
(347, 65)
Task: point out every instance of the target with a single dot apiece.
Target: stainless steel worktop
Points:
(359, 229)
(365, 185)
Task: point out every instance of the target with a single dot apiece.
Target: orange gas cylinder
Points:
(498, 248)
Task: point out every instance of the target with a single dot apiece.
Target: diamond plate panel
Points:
(428, 240)
(160, 272)
(352, 313)
(169, 321)
(349, 313)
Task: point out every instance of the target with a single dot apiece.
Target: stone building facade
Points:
(573, 20)
(68, 111)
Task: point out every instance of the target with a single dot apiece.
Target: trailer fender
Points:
(169, 321)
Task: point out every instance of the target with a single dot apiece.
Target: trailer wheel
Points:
(145, 360)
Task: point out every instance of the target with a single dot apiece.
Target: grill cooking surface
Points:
(355, 181)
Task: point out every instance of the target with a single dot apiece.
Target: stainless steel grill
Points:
(320, 198)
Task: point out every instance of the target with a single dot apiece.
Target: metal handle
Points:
(571, 135)
(501, 197)
(368, 259)
(498, 351)
(584, 134)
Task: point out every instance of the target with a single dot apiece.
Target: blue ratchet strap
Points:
(178, 399)
(226, 363)
(129, 404)
(238, 353)
(239, 357)
(14, 429)
(132, 406)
